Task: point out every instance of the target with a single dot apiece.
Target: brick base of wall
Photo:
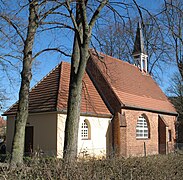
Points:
(125, 142)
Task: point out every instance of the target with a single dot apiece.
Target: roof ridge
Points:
(60, 76)
(123, 61)
(120, 60)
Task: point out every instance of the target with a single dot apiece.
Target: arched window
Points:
(85, 130)
(142, 130)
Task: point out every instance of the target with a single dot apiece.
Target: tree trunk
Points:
(74, 99)
(72, 121)
(78, 65)
(180, 66)
(26, 75)
(73, 110)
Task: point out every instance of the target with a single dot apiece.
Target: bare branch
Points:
(84, 16)
(51, 28)
(96, 13)
(72, 15)
(139, 10)
(13, 25)
(62, 25)
(8, 61)
(51, 49)
(60, 13)
(51, 11)
(116, 13)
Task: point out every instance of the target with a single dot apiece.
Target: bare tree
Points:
(26, 75)
(172, 20)
(118, 40)
(24, 42)
(3, 98)
(83, 29)
(175, 92)
(80, 17)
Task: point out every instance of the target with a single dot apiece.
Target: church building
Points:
(123, 110)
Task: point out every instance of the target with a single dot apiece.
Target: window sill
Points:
(85, 139)
(142, 138)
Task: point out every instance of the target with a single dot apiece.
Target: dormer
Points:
(139, 54)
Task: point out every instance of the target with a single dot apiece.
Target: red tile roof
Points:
(51, 94)
(92, 103)
(132, 87)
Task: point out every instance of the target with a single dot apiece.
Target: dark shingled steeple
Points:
(139, 53)
(139, 41)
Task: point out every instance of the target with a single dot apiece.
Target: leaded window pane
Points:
(142, 130)
(84, 130)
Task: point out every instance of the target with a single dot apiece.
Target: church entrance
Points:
(28, 148)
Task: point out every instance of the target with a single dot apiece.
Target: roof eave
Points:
(63, 111)
(30, 112)
(148, 109)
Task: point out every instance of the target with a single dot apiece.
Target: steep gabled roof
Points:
(92, 103)
(43, 96)
(133, 88)
(51, 94)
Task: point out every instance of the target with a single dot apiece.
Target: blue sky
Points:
(48, 61)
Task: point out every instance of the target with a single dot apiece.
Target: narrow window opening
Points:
(169, 135)
(85, 130)
(144, 65)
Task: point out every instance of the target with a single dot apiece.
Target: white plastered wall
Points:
(48, 134)
(95, 146)
(44, 132)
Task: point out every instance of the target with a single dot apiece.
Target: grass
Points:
(159, 167)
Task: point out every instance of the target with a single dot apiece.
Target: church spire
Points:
(139, 54)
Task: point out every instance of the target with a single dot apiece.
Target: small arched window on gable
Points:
(85, 130)
(142, 128)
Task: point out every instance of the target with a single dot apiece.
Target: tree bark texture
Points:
(78, 65)
(74, 99)
(26, 75)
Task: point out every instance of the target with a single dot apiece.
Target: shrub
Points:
(152, 167)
